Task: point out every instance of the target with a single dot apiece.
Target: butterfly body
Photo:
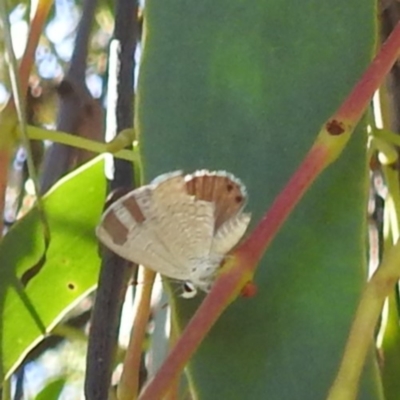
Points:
(179, 225)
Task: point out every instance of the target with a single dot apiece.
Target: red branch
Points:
(256, 244)
(359, 98)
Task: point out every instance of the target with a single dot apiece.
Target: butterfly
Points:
(181, 226)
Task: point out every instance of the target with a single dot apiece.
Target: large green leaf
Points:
(245, 87)
(68, 271)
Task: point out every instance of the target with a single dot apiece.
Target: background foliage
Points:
(222, 85)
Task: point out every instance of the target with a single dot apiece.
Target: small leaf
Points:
(52, 390)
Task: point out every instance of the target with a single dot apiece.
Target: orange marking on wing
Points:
(115, 228)
(226, 194)
(133, 207)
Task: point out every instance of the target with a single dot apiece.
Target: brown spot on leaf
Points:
(335, 127)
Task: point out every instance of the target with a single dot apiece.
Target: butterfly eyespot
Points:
(239, 199)
(229, 187)
(189, 290)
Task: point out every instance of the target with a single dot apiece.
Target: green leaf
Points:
(52, 390)
(55, 281)
(245, 87)
(390, 348)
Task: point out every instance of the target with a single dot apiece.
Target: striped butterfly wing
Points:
(160, 226)
(230, 233)
(177, 220)
(221, 188)
(127, 228)
(229, 197)
(185, 223)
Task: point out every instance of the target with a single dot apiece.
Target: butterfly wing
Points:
(229, 233)
(159, 226)
(221, 188)
(185, 224)
(127, 228)
(229, 196)
(176, 222)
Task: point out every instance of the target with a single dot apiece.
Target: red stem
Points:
(36, 30)
(256, 244)
(206, 315)
(357, 101)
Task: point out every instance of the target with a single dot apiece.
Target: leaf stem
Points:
(80, 142)
(345, 386)
(128, 386)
